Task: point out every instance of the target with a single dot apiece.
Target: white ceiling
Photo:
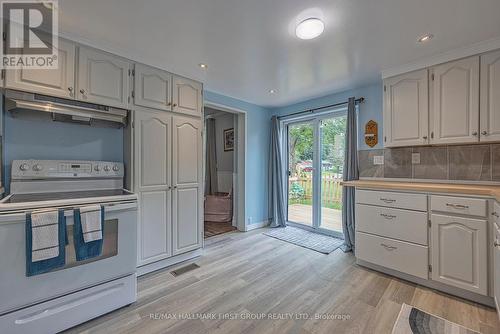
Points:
(250, 46)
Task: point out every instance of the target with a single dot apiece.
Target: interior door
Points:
(58, 82)
(455, 107)
(152, 88)
(102, 78)
(153, 184)
(300, 137)
(187, 184)
(187, 96)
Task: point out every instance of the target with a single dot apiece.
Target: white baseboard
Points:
(254, 226)
(148, 268)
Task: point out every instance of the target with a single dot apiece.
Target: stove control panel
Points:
(26, 169)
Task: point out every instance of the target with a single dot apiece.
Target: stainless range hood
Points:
(64, 110)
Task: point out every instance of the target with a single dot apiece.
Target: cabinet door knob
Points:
(174, 105)
(496, 243)
(484, 133)
(82, 91)
(169, 103)
(474, 133)
(424, 137)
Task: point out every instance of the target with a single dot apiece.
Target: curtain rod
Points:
(310, 111)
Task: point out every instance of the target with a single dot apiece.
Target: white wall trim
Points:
(255, 226)
(466, 51)
(241, 151)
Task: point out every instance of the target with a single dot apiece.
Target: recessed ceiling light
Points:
(272, 91)
(203, 66)
(425, 38)
(310, 28)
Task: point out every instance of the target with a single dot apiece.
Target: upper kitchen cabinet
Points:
(406, 109)
(490, 97)
(152, 88)
(187, 96)
(102, 78)
(455, 102)
(58, 82)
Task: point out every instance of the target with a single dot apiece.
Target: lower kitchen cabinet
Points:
(460, 252)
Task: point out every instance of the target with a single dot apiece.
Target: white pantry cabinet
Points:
(490, 97)
(460, 252)
(153, 185)
(187, 96)
(152, 88)
(187, 180)
(455, 102)
(58, 82)
(103, 78)
(406, 109)
(168, 180)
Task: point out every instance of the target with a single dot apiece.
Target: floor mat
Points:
(319, 242)
(411, 320)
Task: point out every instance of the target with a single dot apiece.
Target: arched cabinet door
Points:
(58, 82)
(455, 102)
(187, 203)
(103, 78)
(187, 96)
(490, 97)
(460, 253)
(152, 184)
(152, 88)
(406, 109)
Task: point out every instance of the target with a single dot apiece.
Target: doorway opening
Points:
(314, 148)
(223, 148)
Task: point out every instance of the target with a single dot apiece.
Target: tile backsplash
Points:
(463, 163)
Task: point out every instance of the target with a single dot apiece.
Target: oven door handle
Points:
(14, 218)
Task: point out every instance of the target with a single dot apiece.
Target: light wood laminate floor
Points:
(250, 274)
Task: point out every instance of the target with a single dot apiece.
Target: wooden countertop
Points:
(452, 188)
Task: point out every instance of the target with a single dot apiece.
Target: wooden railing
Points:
(331, 187)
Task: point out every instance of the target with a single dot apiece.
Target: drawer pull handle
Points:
(386, 216)
(390, 248)
(388, 200)
(494, 214)
(457, 206)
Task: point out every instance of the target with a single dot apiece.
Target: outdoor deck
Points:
(331, 219)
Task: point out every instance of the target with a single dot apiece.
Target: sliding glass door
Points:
(315, 153)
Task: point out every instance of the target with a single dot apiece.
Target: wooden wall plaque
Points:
(371, 133)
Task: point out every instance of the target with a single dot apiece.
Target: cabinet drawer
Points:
(392, 199)
(397, 255)
(393, 223)
(459, 205)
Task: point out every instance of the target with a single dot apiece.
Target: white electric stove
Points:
(81, 290)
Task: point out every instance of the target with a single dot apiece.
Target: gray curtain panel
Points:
(350, 173)
(211, 159)
(277, 213)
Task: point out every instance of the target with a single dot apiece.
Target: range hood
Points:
(64, 110)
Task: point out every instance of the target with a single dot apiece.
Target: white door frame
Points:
(241, 158)
(314, 120)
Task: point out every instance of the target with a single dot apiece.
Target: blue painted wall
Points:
(258, 137)
(370, 109)
(44, 139)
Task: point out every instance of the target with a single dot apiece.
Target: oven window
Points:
(109, 246)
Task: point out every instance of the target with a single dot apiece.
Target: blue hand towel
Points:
(86, 250)
(44, 266)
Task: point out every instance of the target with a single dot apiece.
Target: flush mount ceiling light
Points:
(203, 66)
(309, 28)
(425, 38)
